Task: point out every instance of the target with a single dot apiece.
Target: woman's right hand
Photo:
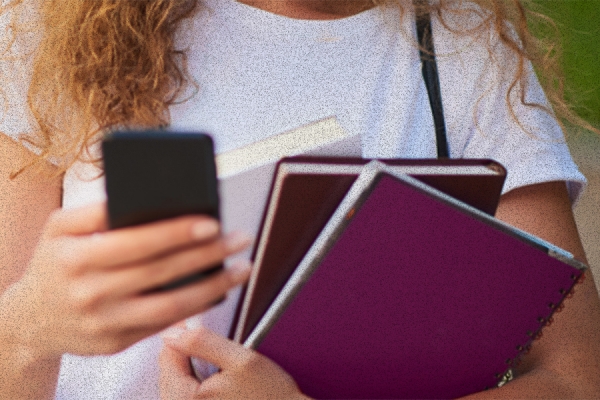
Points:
(86, 290)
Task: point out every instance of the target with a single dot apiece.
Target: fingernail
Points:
(172, 333)
(240, 270)
(237, 241)
(205, 229)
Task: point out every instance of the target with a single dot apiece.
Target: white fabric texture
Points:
(16, 63)
(260, 74)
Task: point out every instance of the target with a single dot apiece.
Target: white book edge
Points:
(260, 252)
(334, 169)
(270, 150)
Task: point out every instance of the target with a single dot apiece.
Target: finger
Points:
(211, 347)
(176, 266)
(176, 379)
(146, 241)
(156, 311)
(177, 363)
(77, 221)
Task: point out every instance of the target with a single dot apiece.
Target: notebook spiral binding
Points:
(523, 349)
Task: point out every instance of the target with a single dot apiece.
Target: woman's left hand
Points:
(244, 374)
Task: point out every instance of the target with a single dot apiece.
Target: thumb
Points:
(179, 362)
(176, 380)
(211, 347)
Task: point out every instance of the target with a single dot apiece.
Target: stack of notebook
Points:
(393, 280)
(307, 190)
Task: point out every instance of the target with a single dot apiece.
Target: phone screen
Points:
(156, 175)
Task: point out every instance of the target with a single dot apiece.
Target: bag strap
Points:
(432, 80)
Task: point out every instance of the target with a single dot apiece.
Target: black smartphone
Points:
(154, 175)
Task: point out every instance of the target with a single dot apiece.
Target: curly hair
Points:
(103, 64)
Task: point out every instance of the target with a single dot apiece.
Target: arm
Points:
(565, 362)
(25, 204)
(81, 289)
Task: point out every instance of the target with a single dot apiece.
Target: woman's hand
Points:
(244, 374)
(86, 290)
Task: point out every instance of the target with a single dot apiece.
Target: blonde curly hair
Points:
(103, 64)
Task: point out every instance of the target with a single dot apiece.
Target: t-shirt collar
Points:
(252, 21)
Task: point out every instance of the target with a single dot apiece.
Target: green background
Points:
(579, 23)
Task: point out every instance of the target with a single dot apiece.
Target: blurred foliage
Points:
(579, 25)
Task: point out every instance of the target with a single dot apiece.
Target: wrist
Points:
(21, 333)
(26, 374)
(28, 371)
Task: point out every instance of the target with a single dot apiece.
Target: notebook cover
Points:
(407, 306)
(479, 191)
(308, 201)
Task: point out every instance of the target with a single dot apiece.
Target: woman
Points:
(243, 70)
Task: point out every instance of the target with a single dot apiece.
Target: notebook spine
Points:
(544, 321)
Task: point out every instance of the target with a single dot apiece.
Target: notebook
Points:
(305, 193)
(246, 173)
(430, 299)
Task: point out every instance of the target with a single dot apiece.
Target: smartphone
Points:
(154, 175)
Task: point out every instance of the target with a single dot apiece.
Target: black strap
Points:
(432, 80)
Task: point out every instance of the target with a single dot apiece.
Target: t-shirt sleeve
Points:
(16, 66)
(476, 75)
(533, 150)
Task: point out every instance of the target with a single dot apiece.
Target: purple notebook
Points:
(409, 294)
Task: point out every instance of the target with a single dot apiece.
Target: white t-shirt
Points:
(260, 74)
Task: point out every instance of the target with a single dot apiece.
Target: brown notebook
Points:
(305, 193)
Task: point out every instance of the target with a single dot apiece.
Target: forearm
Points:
(565, 362)
(541, 384)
